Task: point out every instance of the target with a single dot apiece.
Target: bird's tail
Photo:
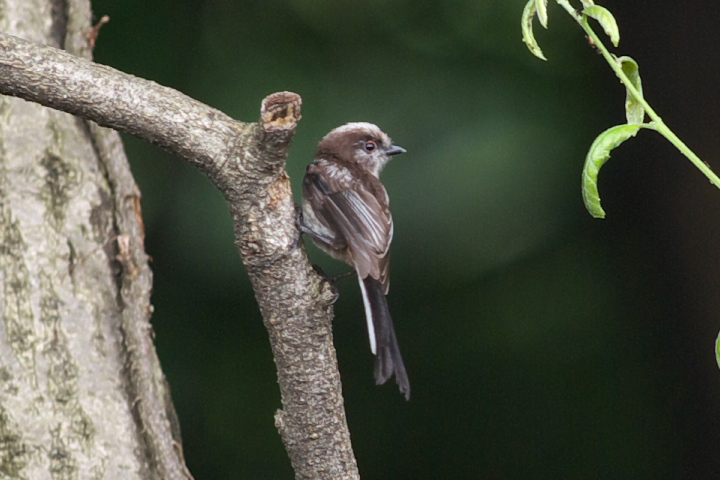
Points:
(383, 342)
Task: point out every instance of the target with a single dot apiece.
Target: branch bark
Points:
(246, 162)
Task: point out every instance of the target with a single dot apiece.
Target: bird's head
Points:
(361, 143)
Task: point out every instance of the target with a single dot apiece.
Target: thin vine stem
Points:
(657, 122)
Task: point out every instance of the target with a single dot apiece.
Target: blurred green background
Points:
(540, 343)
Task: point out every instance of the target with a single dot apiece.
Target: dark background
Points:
(540, 343)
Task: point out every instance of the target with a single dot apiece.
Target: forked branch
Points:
(246, 162)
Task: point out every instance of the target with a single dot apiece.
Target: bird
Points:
(346, 212)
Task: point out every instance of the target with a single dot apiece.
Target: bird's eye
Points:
(370, 146)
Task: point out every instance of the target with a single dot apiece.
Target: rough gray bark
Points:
(75, 342)
(76, 401)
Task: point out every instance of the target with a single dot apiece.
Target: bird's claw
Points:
(330, 282)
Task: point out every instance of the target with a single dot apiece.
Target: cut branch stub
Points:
(281, 111)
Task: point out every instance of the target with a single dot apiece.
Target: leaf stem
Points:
(657, 122)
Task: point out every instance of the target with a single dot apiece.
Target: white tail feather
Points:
(368, 317)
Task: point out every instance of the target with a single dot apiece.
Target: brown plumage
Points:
(346, 211)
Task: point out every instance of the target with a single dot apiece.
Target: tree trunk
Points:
(81, 390)
(75, 338)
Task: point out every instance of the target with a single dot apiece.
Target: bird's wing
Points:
(357, 211)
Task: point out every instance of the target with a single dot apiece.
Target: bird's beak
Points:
(394, 150)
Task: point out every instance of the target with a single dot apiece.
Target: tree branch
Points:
(247, 163)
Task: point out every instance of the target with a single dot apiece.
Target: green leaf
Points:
(541, 6)
(528, 37)
(717, 350)
(606, 21)
(634, 111)
(597, 156)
